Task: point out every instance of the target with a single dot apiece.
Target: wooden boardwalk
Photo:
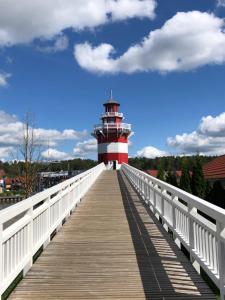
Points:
(112, 247)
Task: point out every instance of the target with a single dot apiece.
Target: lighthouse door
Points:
(114, 165)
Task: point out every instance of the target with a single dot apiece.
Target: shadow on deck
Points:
(165, 271)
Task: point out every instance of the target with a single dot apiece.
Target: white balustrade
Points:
(28, 225)
(107, 126)
(112, 114)
(181, 213)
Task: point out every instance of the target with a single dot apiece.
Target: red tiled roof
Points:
(152, 172)
(215, 169)
(20, 179)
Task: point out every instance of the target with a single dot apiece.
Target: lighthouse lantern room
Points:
(112, 136)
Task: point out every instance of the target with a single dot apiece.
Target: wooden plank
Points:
(111, 248)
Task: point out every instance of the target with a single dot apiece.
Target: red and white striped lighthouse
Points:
(112, 136)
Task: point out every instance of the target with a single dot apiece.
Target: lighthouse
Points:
(112, 136)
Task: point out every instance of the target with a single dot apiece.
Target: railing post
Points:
(147, 191)
(60, 211)
(29, 241)
(154, 197)
(162, 203)
(191, 209)
(174, 198)
(48, 224)
(221, 258)
(143, 187)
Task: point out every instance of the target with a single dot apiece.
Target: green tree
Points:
(161, 172)
(173, 162)
(185, 179)
(171, 178)
(198, 183)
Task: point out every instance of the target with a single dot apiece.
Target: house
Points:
(8, 183)
(14, 183)
(215, 170)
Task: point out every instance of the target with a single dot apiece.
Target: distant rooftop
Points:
(215, 169)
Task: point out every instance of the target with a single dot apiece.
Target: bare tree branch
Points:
(30, 152)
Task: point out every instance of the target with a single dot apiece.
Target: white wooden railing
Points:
(204, 240)
(28, 225)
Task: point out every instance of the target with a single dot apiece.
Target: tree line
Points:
(18, 168)
(167, 162)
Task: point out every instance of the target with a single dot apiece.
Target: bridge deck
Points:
(112, 247)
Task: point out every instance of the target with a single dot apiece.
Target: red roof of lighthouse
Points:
(111, 101)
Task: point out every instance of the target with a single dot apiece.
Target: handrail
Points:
(112, 114)
(29, 224)
(112, 126)
(181, 213)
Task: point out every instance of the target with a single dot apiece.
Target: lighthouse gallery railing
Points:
(180, 212)
(112, 114)
(106, 126)
(28, 225)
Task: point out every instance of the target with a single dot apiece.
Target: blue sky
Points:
(170, 84)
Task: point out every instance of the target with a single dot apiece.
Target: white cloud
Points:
(84, 148)
(187, 41)
(52, 137)
(11, 133)
(23, 21)
(213, 126)
(5, 153)
(7, 118)
(209, 138)
(10, 130)
(81, 150)
(221, 3)
(130, 143)
(151, 152)
(95, 59)
(4, 79)
(125, 9)
(61, 43)
(54, 154)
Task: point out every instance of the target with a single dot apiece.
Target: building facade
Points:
(112, 136)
